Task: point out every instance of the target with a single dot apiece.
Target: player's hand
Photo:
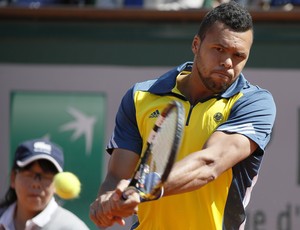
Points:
(110, 208)
(124, 207)
(98, 215)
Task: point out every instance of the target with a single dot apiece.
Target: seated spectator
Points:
(29, 202)
(152, 4)
(173, 4)
(109, 4)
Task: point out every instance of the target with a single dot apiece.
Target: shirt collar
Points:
(45, 216)
(167, 82)
(7, 218)
(40, 220)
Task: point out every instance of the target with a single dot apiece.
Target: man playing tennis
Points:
(228, 123)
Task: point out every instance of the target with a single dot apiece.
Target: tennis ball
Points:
(67, 185)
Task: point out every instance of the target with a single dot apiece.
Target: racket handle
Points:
(152, 188)
(128, 191)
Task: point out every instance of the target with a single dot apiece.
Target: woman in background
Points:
(29, 202)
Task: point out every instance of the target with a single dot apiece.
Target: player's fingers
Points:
(126, 207)
(136, 199)
(97, 215)
(134, 202)
(119, 220)
(123, 184)
(93, 213)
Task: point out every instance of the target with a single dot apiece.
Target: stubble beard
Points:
(210, 84)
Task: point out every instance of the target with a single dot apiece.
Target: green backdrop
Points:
(75, 121)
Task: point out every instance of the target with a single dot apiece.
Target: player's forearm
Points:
(221, 152)
(109, 184)
(189, 174)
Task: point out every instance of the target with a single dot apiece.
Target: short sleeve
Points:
(126, 133)
(253, 115)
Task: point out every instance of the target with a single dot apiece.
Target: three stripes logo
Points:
(154, 114)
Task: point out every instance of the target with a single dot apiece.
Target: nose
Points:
(37, 181)
(227, 63)
(38, 176)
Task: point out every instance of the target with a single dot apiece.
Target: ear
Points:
(12, 178)
(196, 44)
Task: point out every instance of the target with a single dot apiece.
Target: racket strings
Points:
(163, 143)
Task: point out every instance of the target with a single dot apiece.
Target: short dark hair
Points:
(232, 14)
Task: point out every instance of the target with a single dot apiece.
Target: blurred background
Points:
(67, 63)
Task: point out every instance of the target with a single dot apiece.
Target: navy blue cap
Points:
(39, 149)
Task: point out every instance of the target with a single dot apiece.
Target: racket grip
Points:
(129, 191)
(153, 187)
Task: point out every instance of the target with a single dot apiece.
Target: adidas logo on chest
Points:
(154, 114)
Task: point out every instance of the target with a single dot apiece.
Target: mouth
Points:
(33, 195)
(223, 75)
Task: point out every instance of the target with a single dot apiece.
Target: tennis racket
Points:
(156, 161)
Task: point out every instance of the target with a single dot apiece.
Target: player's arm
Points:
(220, 153)
(108, 208)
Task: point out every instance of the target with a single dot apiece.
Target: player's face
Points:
(34, 188)
(221, 56)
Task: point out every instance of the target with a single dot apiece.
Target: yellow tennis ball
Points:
(67, 185)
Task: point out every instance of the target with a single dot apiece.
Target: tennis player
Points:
(227, 128)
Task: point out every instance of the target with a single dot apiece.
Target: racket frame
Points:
(138, 179)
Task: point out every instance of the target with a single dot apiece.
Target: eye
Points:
(240, 55)
(219, 49)
(48, 176)
(27, 173)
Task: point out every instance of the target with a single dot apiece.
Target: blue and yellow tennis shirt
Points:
(220, 205)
